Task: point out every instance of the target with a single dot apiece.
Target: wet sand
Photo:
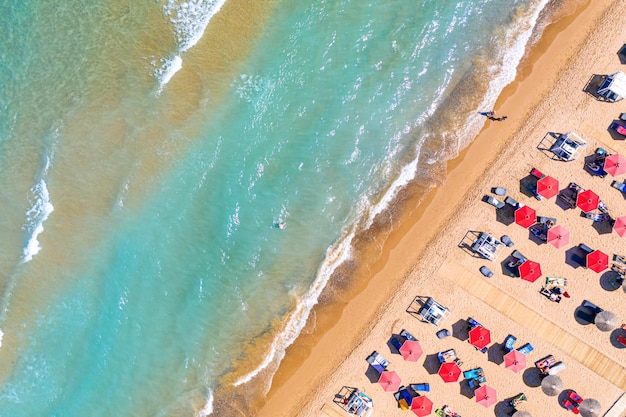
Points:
(420, 255)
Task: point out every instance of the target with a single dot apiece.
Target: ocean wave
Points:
(40, 210)
(190, 19)
(207, 409)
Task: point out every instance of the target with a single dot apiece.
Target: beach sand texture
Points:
(423, 255)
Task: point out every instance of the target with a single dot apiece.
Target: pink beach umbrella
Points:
(525, 216)
(486, 396)
(615, 165)
(587, 201)
(558, 236)
(390, 381)
(548, 187)
(411, 350)
(515, 361)
(620, 226)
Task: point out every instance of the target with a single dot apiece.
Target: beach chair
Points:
(546, 221)
(404, 398)
(539, 232)
(447, 356)
(619, 185)
(591, 306)
(395, 342)
(517, 400)
(559, 282)
(509, 342)
(378, 362)
(473, 323)
(556, 368)
(573, 395)
(506, 240)
(619, 258)
(500, 191)
(620, 269)
(603, 207)
(536, 173)
(512, 202)
(526, 349)
(476, 373)
(585, 248)
(493, 201)
(597, 217)
(424, 387)
(407, 335)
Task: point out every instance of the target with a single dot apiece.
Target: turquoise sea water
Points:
(142, 182)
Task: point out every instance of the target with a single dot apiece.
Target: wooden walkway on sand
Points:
(618, 409)
(549, 331)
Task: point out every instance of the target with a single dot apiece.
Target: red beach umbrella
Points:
(548, 187)
(486, 396)
(530, 271)
(587, 201)
(389, 380)
(449, 372)
(479, 337)
(615, 165)
(620, 226)
(515, 361)
(422, 406)
(558, 236)
(411, 350)
(597, 261)
(525, 216)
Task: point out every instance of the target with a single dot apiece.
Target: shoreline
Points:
(315, 354)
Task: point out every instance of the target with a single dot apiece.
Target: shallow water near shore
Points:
(142, 185)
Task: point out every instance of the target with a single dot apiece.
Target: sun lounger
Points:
(619, 258)
(443, 333)
(620, 269)
(501, 191)
(539, 232)
(512, 202)
(544, 364)
(602, 207)
(395, 342)
(619, 185)
(550, 295)
(509, 342)
(447, 356)
(404, 398)
(425, 387)
(596, 168)
(591, 306)
(597, 217)
(567, 199)
(556, 368)
(548, 221)
(573, 395)
(475, 374)
(378, 362)
(536, 173)
(446, 411)
(559, 282)
(518, 259)
(493, 201)
(473, 323)
(407, 335)
(526, 349)
(506, 240)
(517, 400)
(585, 248)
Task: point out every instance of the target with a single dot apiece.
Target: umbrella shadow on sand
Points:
(603, 228)
(532, 377)
(504, 408)
(495, 353)
(584, 315)
(574, 257)
(610, 281)
(506, 215)
(372, 375)
(459, 330)
(465, 390)
(431, 364)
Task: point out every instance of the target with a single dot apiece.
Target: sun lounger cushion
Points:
(425, 387)
(509, 342)
(526, 349)
(511, 202)
(506, 240)
(501, 191)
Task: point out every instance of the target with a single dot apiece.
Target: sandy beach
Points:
(423, 254)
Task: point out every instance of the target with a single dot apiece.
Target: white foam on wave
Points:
(190, 19)
(1, 336)
(166, 71)
(208, 405)
(40, 210)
